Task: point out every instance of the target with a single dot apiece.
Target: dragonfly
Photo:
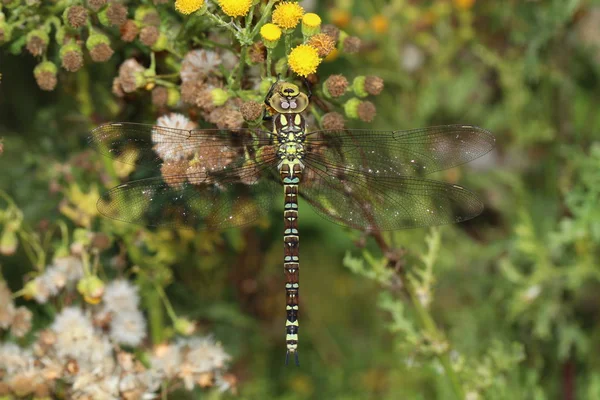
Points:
(215, 179)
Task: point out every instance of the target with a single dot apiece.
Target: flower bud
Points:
(270, 34)
(351, 108)
(71, 56)
(311, 24)
(184, 326)
(219, 96)
(75, 16)
(37, 42)
(358, 85)
(45, 75)
(91, 288)
(99, 47)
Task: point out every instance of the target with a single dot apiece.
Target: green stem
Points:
(427, 322)
(269, 61)
(265, 14)
(240, 68)
(216, 19)
(288, 45)
(166, 302)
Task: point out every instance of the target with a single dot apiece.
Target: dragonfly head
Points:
(288, 99)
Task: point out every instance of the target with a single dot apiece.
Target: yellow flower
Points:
(188, 6)
(380, 23)
(270, 32)
(311, 19)
(464, 4)
(304, 60)
(235, 8)
(287, 14)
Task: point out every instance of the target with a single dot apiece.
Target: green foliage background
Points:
(514, 293)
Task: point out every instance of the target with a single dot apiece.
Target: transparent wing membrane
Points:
(414, 152)
(363, 179)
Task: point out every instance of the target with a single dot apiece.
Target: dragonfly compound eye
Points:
(285, 105)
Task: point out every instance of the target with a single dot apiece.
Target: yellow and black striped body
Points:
(290, 131)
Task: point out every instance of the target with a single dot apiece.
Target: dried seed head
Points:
(204, 100)
(116, 14)
(116, 88)
(366, 111)
(96, 4)
(331, 30)
(45, 75)
(258, 53)
(129, 31)
(131, 75)
(323, 43)
(352, 44)
(37, 42)
(251, 110)
(226, 118)
(373, 85)
(21, 323)
(335, 86)
(160, 96)
(71, 57)
(333, 120)
(101, 52)
(76, 16)
(147, 15)
(149, 35)
(190, 91)
(172, 172)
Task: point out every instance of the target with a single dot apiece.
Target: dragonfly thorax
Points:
(290, 131)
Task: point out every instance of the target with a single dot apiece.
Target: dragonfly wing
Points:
(150, 146)
(414, 152)
(381, 203)
(174, 201)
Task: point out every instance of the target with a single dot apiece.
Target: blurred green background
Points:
(514, 293)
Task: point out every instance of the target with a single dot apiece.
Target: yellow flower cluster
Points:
(287, 14)
(304, 60)
(188, 6)
(235, 8)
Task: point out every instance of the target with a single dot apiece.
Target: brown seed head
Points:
(172, 172)
(36, 45)
(101, 52)
(323, 43)
(373, 85)
(251, 110)
(77, 16)
(96, 4)
(116, 14)
(204, 100)
(331, 30)
(151, 18)
(21, 323)
(149, 35)
(333, 120)
(131, 75)
(22, 384)
(46, 80)
(336, 85)
(226, 118)
(72, 61)
(258, 53)
(366, 111)
(190, 91)
(116, 88)
(129, 31)
(352, 44)
(160, 95)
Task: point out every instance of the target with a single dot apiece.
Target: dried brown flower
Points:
(323, 43)
(209, 159)
(77, 16)
(172, 172)
(116, 14)
(258, 52)
(160, 95)
(101, 52)
(251, 110)
(96, 4)
(366, 111)
(23, 384)
(336, 85)
(373, 85)
(46, 80)
(352, 44)
(7, 308)
(204, 99)
(72, 61)
(333, 120)
(131, 75)
(190, 91)
(36, 45)
(151, 18)
(331, 30)
(149, 35)
(116, 88)
(21, 323)
(129, 31)
(226, 118)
